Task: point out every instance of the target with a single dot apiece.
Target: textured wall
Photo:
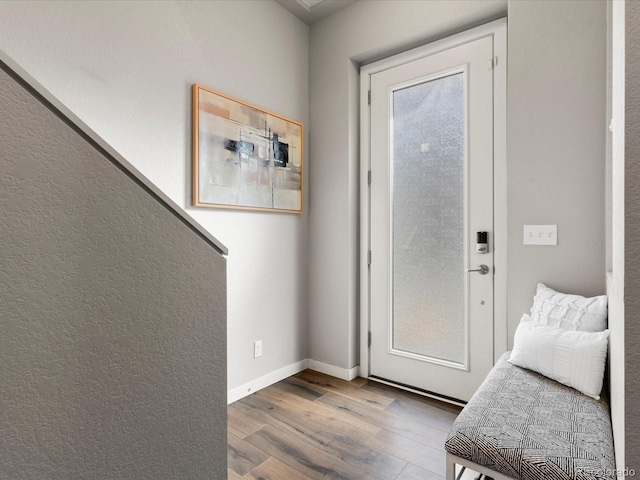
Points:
(632, 233)
(556, 147)
(126, 70)
(112, 353)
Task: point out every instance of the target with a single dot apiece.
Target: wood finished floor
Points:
(313, 426)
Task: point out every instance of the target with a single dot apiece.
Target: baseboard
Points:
(343, 373)
(266, 380)
(285, 372)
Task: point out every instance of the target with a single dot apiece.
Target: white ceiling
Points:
(310, 11)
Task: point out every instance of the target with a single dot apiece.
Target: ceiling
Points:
(311, 11)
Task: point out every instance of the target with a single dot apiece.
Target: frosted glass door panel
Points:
(431, 147)
(428, 213)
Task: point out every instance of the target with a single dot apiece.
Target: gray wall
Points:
(556, 147)
(363, 32)
(126, 69)
(134, 61)
(632, 234)
(113, 351)
(556, 167)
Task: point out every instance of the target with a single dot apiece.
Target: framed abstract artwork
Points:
(243, 156)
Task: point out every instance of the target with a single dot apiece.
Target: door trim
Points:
(498, 30)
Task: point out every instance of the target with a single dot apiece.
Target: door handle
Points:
(482, 270)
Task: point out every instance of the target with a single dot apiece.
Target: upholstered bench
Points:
(522, 425)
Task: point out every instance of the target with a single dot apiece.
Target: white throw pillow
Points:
(570, 312)
(573, 358)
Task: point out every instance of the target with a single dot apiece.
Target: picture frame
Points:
(245, 157)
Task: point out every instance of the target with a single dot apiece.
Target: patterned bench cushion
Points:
(528, 427)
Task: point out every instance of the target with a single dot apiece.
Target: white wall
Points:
(364, 32)
(556, 147)
(615, 219)
(126, 68)
(624, 278)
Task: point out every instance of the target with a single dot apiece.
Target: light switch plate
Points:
(540, 235)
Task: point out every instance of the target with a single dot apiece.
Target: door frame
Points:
(497, 29)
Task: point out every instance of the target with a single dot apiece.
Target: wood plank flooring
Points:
(312, 426)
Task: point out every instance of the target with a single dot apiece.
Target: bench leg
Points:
(451, 468)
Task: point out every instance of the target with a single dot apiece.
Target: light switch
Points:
(541, 235)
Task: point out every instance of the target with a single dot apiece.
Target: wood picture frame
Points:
(245, 157)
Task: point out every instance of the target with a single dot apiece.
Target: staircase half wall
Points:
(112, 311)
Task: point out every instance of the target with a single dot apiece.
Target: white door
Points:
(431, 144)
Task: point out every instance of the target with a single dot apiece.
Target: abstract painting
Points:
(243, 156)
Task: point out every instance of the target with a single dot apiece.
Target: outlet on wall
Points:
(257, 349)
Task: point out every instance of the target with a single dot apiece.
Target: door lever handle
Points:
(482, 270)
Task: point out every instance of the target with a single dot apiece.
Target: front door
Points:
(431, 285)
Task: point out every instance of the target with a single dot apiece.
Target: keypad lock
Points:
(482, 242)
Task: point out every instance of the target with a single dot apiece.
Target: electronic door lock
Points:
(482, 242)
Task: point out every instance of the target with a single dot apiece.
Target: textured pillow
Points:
(573, 358)
(570, 312)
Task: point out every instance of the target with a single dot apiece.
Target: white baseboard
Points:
(338, 372)
(284, 372)
(266, 380)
